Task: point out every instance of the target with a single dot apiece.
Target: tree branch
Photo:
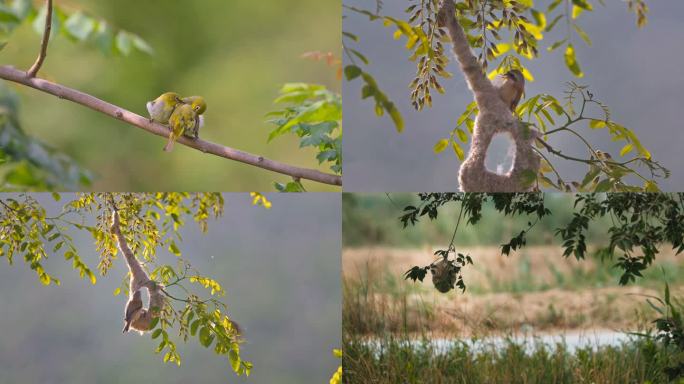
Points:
(486, 96)
(86, 100)
(44, 44)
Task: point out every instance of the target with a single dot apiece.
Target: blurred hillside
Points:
(237, 54)
(279, 267)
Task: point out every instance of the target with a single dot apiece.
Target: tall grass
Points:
(393, 361)
(367, 311)
(388, 334)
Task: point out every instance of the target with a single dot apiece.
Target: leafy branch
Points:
(642, 222)
(149, 222)
(354, 70)
(52, 20)
(125, 40)
(495, 27)
(605, 174)
(314, 114)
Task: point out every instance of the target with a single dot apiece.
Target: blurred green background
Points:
(235, 53)
(279, 267)
(373, 219)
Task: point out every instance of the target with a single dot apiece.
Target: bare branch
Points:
(12, 74)
(44, 44)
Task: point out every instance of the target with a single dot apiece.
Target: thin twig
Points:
(11, 74)
(453, 237)
(44, 44)
(605, 163)
(185, 300)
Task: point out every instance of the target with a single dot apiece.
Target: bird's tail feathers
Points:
(169, 144)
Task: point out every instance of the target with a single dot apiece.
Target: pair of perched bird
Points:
(182, 115)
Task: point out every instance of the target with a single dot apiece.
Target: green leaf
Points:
(597, 124)
(351, 72)
(584, 4)
(556, 45)
(291, 187)
(604, 185)
(194, 326)
(539, 18)
(350, 36)
(462, 135)
(582, 34)
(104, 38)
(22, 8)
(554, 22)
(154, 322)
(234, 359)
(173, 248)
(161, 346)
(527, 178)
(576, 12)
(44, 278)
(360, 56)
(8, 15)
(571, 61)
(142, 45)
(79, 26)
(626, 149)
(156, 333)
(396, 117)
(124, 43)
(458, 151)
(441, 146)
(553, 5)
(651, 186)
(205, 337)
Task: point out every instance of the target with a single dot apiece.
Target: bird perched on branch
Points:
(511, 86)
(161, 108)
(185, 118)
(199, 121)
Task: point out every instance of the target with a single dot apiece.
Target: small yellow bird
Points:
(199, 104)
(161, 108)
(185, 118)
